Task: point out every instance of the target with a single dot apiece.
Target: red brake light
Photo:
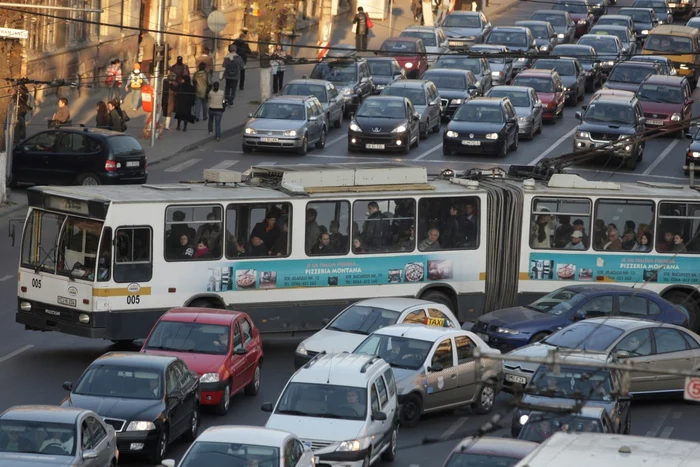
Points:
(111, 166)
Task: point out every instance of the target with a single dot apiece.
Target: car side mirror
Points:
(325, 321)
(376, 53)
(68, 386)
(579, 315)
(250, 115)
(266, 407)
(622, 354)
(89, 454)
(379, 416)
(25, 148)
(240, 351)
(168, 463)
(435, 368)
(538, 104)
(578, 115)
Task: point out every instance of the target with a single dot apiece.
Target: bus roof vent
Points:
(222, 176)
(328, 178)
(576, 181)
(167, 187)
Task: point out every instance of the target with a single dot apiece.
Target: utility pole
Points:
(160, 47)
(325, 27)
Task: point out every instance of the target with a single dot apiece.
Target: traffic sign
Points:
(216, 21)
(692, 389)
(14, 33)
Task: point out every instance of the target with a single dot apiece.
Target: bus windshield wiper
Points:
(46, 256)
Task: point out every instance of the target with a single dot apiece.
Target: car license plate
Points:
(471, 143)
(600, 145)
(456, 43)
(435, 322)
(374, 146)
(484, 337)
(516, 379)
(133, 163)
(655, 122)
(269, 140)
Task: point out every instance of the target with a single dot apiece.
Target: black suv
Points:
(607, 124)
(350, 75)
(79, 155)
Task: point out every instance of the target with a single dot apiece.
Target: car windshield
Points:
(665, 43)
(54, 439)
(360, 319)
(610, 113)
(538, 84)
(336, 72)
(446, 81)
(540, 32)
(576, 8)
(554, 20)
(462, 21)
(596, 337)
(630, 74)
(467, 459)
(323, 401)
(693, 23)
(637, 15)
(306, 90)
(496, 60)
(479, 113)
(212, 454)
(517, 98)
(382, 68)
(280, 111)
(399, 352)
(190, 337)
(460, 63)
(540, 427)
(398, 47)
(415, 95)
(429, 39)
(563, 67)
(601, 46)
(656, 6)
(620, 34)
(572, 382)
(583, 55)
(120, 382)
(509, 38)
(558, 302)
(382, 109)
(660, 93)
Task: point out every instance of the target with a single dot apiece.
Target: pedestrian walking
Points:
(279, 58)
(417, 8)
(62, 115)
(21, 97)
(102, 117)
(184, 101)
(202, 84)
(361, 30)
(116, 120)
(169, 91)
(180, 69)
(134, 83)
(113, 80)
(217, 105)
(231, 71)
(208, 61)
(243, 51)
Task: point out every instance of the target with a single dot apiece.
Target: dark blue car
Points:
(511, 328)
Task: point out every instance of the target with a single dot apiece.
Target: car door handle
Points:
(454, 375)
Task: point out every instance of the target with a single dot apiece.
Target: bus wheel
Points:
(689, 305)
(439, 297)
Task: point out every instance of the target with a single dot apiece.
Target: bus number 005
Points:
(133, 299)
(36, 283)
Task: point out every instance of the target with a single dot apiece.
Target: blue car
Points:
(512, 328)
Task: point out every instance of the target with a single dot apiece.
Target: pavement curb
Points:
(190, 147)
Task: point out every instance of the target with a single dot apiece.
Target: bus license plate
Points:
(132, 163)
(435, 322)
(269, 140)
(516, 379)
(484, 337)
(67, 301)
(374, 146)
(471, 143)
(655, 122)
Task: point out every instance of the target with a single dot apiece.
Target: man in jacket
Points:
(243, 50)
(134, 83)
(208, 61)
(201, 87)
(231, 71)
(361, 30)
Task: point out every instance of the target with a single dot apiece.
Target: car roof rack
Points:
(369, 363)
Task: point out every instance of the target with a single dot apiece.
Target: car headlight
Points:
(209, 378)
(567, 89)
(560, 36)
(346, 91)
(290, 133)
(583, 134)
(507, 331)
(399, 129)
(491, 135)
(355, 127)
(645, 32)
(471, 38)
(523, 419)
(352, 445)
(582, 21)
(409, 65)
(301, 350)
(694, 154)
(676, 117)
(456, 101)
(521, 60)
(250, 131)
(544, 48)
(141, 426)
(451, 134)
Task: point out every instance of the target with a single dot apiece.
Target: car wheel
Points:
(539, 127)
(88, 179)
(254, 386)
(538, 337)
(338, 123)
(436, 128)
(485, 399)
(390, 454)
(415, 145)
(631, 163)
(246, 149)
(304, 148)
(161, 446)
(321, 143)
(504, 150)
(225, 402)
(191, 434)
(411, 411)
(514, 146)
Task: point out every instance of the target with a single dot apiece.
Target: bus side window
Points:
(623, 225)
(383, 225)
(455, 220)
(678, 228)
(104, 262)
(133, 248)
(560, 223)
(193, 232)
(258, 230)
(327, 228)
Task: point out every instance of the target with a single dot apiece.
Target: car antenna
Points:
(328, 379)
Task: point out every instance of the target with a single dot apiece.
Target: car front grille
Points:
(317, 445)
(444, 102)
(480, 326)
(604, 137)
(656, 116)
(269, 133)
(516, 367)
(117, 424)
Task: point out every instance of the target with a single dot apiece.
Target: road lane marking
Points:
(453, 428)
(333, 141)
(656, 427)
(552, 147)
(7, 277)
(661, 157)
(228, 151)
(422, 156)
(15, 353)
(676, 415)
(223, 165)
(182, 166)
(265, 163)
(667, 432)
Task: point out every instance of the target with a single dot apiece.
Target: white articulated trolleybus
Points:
(293, 245)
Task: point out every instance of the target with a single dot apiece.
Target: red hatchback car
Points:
(667, 102)
(549, 89)
(223, 347)
(409, 52)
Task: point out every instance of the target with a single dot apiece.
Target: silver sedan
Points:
(527, 106)
(327, 94)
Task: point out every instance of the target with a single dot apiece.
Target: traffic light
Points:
(159, 54)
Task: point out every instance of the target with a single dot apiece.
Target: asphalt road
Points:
(33, 365)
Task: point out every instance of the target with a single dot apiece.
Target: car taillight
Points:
(111, 166)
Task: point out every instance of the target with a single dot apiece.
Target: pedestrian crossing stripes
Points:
(223, 165)
(182, 166)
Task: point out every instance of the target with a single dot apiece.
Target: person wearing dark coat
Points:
(184, 101)
(243, 50)
(361, 30)
(168, 100)
(102, 119)
(116, 123)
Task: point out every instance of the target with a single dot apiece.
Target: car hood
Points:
(453, 93)
(17, 459)
(622, 85)
(537, 350)
(116, 407)
(523, 111)
(407, 380)
(578, 16)
(607, 128)
(586, 65)
(263, 124)
(639, 27)
(514, 316)
(649, 107)
(475, 127)
(516, 48)
(432, 49)
(421, 109)
(568, 81)
(457, 33)
(333, 341)
(497, 66)
(199, 363)
(382, 80)
(385, 125)
(561, 29)
(545, 97)
(312, 428)
(542, 41)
